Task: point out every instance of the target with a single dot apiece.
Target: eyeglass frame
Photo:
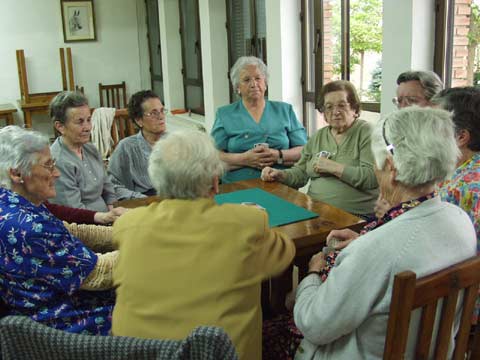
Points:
(51, 167)
(390, 146)
(342, 106)
(408, 100)
(164, 111)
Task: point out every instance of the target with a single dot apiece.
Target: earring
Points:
(21, 181)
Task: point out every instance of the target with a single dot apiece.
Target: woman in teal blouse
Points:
(255, 120)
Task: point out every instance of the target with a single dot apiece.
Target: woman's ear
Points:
(139, 122)
(15, 176)
(59, 127)
(463, 138)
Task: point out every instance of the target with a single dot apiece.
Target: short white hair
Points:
(19, 149)
(423, 145)
(183, 164)
(243, 62)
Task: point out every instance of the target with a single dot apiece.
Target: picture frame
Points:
(78, 20)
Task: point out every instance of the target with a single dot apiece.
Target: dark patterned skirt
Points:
(281, 338)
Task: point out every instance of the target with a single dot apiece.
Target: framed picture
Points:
(78, 20)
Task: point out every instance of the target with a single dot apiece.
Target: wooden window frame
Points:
(255, 41)
(308, 96)
(444, 27)
(198, 45)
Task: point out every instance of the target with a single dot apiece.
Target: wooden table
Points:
(309, 236)
(6, 111)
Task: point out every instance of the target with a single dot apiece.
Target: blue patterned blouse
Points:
(42, 267)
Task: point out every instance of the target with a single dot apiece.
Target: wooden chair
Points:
(114, 95)
(410, 294)
(121, 127)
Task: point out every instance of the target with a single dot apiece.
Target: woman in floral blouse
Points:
(463, 188)
(45, 272)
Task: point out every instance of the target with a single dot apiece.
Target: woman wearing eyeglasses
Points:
(47, 273)
(83, 182)
(337, 159)
(129, 161)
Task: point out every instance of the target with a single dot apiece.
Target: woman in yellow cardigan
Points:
(194, 262)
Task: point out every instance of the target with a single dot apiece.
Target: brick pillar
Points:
(460, 42)
(327, 42)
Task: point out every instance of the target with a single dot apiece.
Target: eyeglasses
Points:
(406, 100)
(50, 165)
(156, 114)
(343, 106)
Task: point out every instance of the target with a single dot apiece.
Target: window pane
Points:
(191, 38)
(466, 39)
(261, 27)
(332, 40)
(194, 99)
(366, 48)
(154, 38)
(240, 29)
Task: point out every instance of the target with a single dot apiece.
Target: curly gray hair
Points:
(241, 63)
(183, 164)
(19, 149)
(62, 102)
(421, 142)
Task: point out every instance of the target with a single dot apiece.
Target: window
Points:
(342, 39)
(247, 32)
(191, 56)
(457, 41)
(154, 48)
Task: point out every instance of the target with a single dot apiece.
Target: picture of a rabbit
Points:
(74, 22)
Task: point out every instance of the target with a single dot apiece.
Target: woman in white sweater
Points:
(345, 316)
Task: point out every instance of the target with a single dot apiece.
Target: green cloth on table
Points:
(280, 212)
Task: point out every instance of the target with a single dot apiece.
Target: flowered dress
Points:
(463, 190)
(42, 267)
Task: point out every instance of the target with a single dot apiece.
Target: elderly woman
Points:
(209, 259)
(46, 273)
(420, 224)
(253, 132)
(129, 162)
(84, 182)
(417, 88)
(337, 159)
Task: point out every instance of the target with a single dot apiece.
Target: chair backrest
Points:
(425, 293)
(23, 338)
(114, 95)
(122, 127)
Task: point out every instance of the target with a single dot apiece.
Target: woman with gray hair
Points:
(413, 148)
(209, 259)
(417, 88)
(46, 272)
(253, 132)
(84, 182)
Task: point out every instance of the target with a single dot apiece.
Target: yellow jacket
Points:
(185, 263)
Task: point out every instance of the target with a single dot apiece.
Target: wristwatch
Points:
(280, 157)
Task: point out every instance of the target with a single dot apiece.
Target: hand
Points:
(259, 157)
(339, 239)
(327, 166)
(271, 174)
(317, 262)
(105, 218)
(381, 207)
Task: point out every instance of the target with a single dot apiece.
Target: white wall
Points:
(36, 27)
(408, 41)
(284, 52)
